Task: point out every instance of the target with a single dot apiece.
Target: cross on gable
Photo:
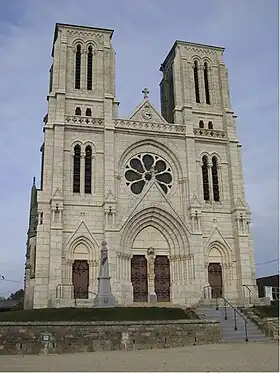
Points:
(146, 92)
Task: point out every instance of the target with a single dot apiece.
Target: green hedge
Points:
(99, 314)
(267, 311)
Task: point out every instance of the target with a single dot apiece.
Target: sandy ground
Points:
(234, 357)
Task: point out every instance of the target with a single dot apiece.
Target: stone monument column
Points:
(152, 297)
(104, 297)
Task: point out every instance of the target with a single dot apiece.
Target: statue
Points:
(151, 259)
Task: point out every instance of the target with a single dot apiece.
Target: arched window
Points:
(201, 124)
(78, 111)
(88, 167)
(205, 178)
(215, 180)
(78, 68)
(206, 83)
(210, 125)
(89, 69)
(88, 112)
(77, 169)
(196, 81)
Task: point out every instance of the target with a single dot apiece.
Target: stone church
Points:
(164, 189)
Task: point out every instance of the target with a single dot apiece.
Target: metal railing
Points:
(60, 290)
(250, 291)
(217, 292)
(69, 288)
(213, 293)
(235, 311)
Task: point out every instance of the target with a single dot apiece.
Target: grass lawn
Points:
(99, 314)
(267, 311)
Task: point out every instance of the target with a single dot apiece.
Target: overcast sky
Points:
(144, 32)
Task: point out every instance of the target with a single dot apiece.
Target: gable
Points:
(82, 235)
(216, 236)
(57, 195)
(152, 196)
(241, 204)
(145, 112)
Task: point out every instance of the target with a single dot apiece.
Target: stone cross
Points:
(146, 92)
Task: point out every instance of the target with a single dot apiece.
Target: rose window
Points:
(145, 168)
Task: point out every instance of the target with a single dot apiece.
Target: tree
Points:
(18, 295)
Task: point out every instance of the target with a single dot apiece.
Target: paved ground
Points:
(234, 357)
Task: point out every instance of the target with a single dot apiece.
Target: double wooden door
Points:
(139, 278)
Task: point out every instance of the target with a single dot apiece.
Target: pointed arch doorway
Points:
(173, 241)
(80, 279)
(150, 267)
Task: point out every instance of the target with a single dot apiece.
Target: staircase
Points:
(228, 332)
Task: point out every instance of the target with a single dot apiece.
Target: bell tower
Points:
(81, 106)
(82, 74)
(194, 76)
(195, 93)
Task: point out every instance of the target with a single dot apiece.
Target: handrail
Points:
(225, 309)
(239, 313)
(250, 291)
(211, 287)
(92, 292)
(61, 286)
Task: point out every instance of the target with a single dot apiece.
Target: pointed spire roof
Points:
(32, 229)
(33, 197)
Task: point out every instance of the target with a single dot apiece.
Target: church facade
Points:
(165, 189)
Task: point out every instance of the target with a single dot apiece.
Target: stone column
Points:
(210, 183)
(220, 181)
(201, 84)
(206, 290)
(82, 173)
(215, 89)
(104, 297)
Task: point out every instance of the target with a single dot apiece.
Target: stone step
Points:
(228, 332)
(154, 304)
(241, 334)
(239, 327)
(240, 330)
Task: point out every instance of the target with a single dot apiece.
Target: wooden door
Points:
(139, 278)
(215, 279)
(80, 278)
(162, 278)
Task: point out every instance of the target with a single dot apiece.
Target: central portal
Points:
(140, 278)
(150, 267)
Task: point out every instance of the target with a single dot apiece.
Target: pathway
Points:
(237, 357)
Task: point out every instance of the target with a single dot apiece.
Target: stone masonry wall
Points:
(69, 337)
